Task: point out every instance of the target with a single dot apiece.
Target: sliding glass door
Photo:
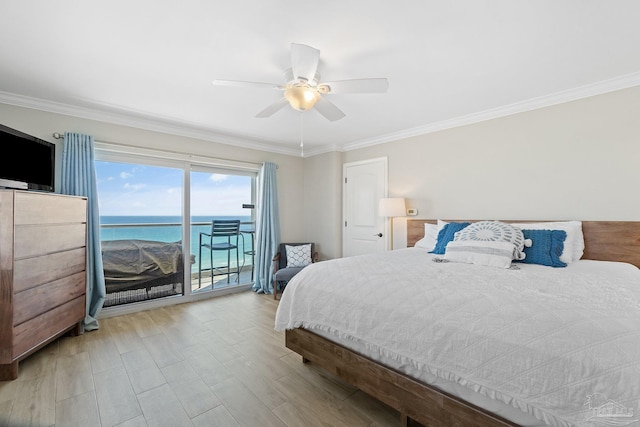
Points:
(150, 250)
(221, 194)
(141, 231)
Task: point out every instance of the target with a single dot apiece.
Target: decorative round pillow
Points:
(495, 231)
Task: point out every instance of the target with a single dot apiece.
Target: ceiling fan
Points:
(303, 90)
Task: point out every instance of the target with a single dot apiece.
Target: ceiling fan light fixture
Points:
(303, 90)
(301, 96)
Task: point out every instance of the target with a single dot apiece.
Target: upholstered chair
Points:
(289, 261)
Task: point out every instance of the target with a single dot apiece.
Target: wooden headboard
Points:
(603, 240)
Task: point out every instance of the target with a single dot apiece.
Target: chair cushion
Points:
(285, 274)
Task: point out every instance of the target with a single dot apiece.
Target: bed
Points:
(141, 264)
(473, 345)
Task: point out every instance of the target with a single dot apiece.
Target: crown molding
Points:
(323, 149)
(133, 119)
(586, 91)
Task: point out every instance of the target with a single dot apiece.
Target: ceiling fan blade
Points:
(328, 109)
(304, 61)
(238, 83)
(271, 109)
(377, 85)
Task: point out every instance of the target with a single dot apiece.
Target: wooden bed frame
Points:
(425, 404)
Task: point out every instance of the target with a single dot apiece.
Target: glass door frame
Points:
(199, 168)
(113, 152)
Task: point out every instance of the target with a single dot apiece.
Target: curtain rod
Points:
(58, 135)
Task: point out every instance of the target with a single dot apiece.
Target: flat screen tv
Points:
(26, 162)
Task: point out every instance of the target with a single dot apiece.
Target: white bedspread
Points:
(540, 339)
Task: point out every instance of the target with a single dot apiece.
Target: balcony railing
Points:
(172, 232)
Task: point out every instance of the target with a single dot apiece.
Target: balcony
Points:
(144, 260)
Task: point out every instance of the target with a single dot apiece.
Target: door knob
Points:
(379, 234)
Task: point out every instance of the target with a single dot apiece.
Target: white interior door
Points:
(365, 183)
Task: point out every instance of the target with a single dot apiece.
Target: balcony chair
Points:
(229, 231)
(251, 252)
(288, 263)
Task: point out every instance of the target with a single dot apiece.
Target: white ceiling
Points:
(150, 63)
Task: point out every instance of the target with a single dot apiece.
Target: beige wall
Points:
(323, 203)
(577, 160)
(290, 168)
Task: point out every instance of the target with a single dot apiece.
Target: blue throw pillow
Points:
(546, 247)
(446, 235)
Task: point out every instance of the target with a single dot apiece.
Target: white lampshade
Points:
(392, 206)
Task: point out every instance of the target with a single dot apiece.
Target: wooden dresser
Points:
(42, 272)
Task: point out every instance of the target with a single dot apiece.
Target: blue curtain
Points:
(267, 229)
(79, 179)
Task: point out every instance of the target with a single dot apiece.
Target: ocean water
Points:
(169, 229)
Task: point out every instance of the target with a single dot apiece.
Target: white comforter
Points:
(540, 339)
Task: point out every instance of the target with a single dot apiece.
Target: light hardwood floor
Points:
(217, 362)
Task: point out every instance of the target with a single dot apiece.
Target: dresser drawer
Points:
(34, 240)
(35, 301)
(42, 208)
(34, 332)
(31, 272)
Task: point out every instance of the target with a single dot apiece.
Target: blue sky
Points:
(133, 189)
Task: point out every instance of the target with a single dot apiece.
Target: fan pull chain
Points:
(301, 134)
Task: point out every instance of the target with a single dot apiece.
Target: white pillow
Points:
(430, 236)
(298, 255)
(495, 231)
(489, 253)
(573, 244)
(439, 227)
